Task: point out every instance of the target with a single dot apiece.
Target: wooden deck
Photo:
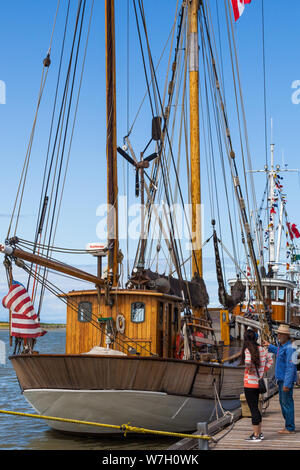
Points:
(272, 422)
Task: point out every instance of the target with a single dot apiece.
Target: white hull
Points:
(152, 410)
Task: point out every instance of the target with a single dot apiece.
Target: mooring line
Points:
(123, 428)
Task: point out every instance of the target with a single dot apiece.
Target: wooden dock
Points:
(235, 439)
(272, 422)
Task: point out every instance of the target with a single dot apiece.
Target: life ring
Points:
(120, 324)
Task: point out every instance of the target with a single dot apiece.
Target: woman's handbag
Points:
(261, 383)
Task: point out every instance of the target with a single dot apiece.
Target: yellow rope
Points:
(124, 427)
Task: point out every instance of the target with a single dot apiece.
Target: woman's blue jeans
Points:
(287, 406)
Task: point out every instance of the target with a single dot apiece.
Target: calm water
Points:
(25, 433)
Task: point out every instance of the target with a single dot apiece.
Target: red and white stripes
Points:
(24, 320)
(239, 7)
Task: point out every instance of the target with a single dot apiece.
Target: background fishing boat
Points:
(279, 259)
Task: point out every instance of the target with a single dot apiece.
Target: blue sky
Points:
(24, 37)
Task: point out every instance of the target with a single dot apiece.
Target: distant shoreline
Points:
(45, 326)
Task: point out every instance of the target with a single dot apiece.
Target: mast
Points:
(280, 230)
(272, 216)
(193, 44)
(272, 172)
(111, 144)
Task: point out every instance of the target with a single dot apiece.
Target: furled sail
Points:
(195, 290)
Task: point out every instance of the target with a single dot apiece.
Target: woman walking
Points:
(257, 361)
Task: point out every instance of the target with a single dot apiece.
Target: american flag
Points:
(24, 320)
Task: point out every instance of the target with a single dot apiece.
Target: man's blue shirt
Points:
(286, 369)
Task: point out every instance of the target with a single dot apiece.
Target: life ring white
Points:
(120, 324)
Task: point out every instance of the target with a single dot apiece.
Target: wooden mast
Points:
(195, 136)
(111, 143)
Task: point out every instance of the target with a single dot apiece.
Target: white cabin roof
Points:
(267, 282)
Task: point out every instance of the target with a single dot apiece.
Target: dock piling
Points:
(202, 429)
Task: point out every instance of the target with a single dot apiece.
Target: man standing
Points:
(286, 375)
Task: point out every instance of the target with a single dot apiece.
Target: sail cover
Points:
(24, 320)
(239, 7)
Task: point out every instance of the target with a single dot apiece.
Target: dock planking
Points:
(272, 422)
(235, 439)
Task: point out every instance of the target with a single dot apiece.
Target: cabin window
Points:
(137, 312)
(281, 295)
(272, 293)
(84, 312)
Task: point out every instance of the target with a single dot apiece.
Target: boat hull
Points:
(151, 410)
(155, 393)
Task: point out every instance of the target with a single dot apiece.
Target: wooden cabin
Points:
(152, 322)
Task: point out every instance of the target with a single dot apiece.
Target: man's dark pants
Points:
(287, 406)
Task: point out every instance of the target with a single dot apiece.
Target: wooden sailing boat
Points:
(125, 357)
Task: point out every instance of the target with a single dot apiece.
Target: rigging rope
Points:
(155, 189)
(264, 74)
(173, 163)
(89, 316)
(163, 168)
(23, 178)
(44, 200)
(253, 191)
(210, 139)
(212, 169)
(265, 317)
(60, 140)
